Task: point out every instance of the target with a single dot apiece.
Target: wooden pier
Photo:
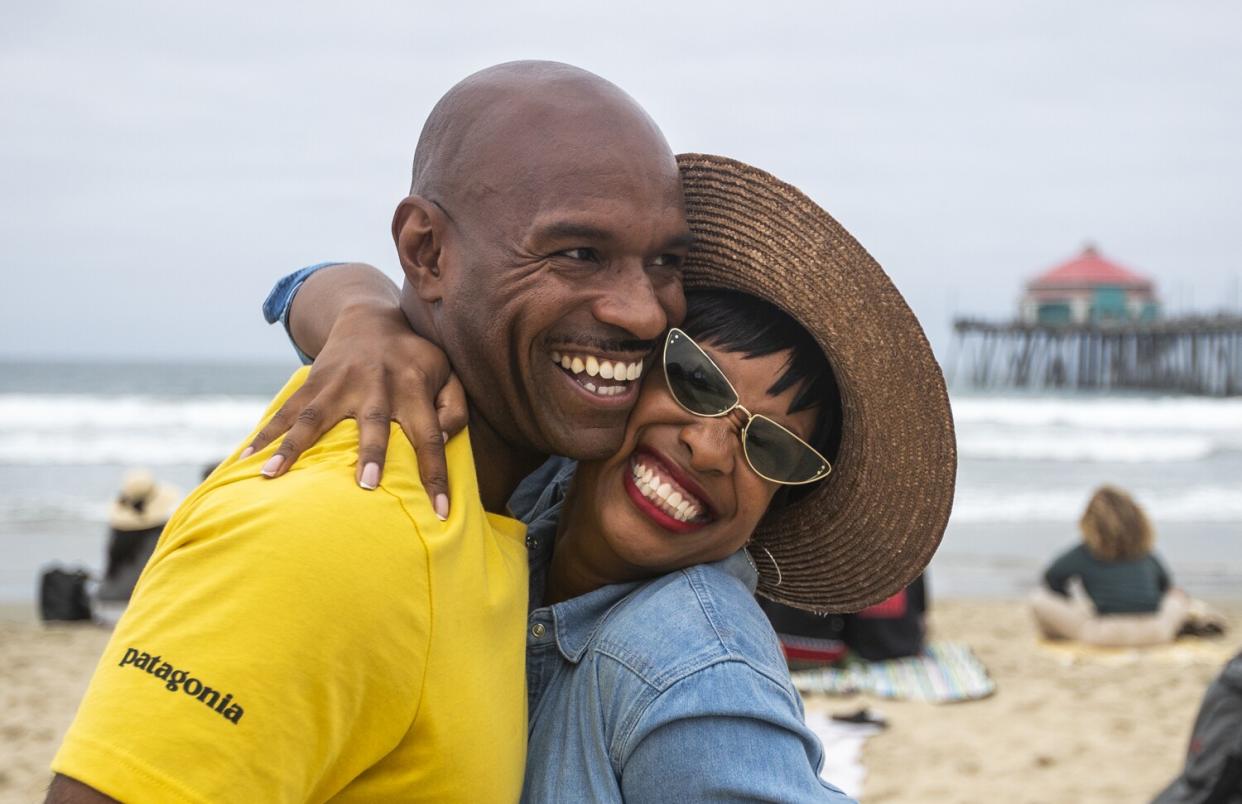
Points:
(1191, 355)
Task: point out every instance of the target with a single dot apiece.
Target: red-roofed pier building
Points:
(1090, 324)
(1088, 289)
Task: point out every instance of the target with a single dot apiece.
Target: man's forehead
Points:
(562, 192)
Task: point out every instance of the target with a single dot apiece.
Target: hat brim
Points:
(869, 528)
(158, 510)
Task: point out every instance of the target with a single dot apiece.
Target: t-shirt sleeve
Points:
(726, 733)
(264, 655)
(1163, 581)
(1058, 574)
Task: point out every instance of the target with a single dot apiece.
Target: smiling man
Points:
(367, 646)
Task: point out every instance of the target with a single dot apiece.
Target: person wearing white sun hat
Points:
(136, 517)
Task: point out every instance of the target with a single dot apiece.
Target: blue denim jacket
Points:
(673, 689)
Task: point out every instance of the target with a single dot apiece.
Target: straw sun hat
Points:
(869, 528)
(143, 502)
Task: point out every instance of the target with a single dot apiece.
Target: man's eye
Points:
(669, 260)
(583, 254)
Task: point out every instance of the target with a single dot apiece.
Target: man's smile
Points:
(601, 375)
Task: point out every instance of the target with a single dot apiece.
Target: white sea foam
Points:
(1177, 414)
(1084, 446)
(1215, 503)
(80, 429)
(1103, 429)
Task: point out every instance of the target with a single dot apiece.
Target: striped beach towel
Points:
(944, 672)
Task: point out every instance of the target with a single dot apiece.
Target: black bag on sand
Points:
(62, 595)
(1213, 772)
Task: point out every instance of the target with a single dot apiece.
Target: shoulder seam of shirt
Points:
(709, 610)
(723, 649)
(422, 687)
(624, 747)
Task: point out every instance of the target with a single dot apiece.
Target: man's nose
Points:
(631, 303)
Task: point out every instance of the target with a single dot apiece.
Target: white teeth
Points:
(662, 494)
(590, 386)
(604, 369)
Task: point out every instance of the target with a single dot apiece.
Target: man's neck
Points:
(499, 466)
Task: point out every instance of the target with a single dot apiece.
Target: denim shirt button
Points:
(538, 630)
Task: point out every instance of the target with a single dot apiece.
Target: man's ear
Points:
(418, 228)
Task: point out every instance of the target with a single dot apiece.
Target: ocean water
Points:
(1028, 465)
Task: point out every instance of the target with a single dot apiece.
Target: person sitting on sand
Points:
(1111, 589)
(136, 519)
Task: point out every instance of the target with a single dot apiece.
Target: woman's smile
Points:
(666, 495)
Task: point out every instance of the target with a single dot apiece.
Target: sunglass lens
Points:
(779, 455)
(694, 380)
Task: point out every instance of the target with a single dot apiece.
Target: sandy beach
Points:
(1109, 728)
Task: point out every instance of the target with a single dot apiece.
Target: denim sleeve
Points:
(277, 304)
(725, 733)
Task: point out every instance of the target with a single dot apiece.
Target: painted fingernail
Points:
(273, 465)
(246, 453)
(441, 506)
(370, 476)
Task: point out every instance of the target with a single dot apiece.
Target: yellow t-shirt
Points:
(303, 639)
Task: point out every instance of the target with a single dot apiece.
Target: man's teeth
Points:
(615, 370)
(676, 502)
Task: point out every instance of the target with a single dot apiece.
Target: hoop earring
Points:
(779, 576)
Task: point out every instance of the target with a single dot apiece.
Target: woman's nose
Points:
(713, 444)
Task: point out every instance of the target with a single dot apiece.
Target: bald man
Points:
(307, 639)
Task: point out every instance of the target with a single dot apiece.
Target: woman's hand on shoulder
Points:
(375, 369)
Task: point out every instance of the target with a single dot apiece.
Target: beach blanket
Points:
(1185, 651)
(944, 672)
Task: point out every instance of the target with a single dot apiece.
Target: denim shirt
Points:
(673, 689)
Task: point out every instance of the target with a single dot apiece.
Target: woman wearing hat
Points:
(792, 439)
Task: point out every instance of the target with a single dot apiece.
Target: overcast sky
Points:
(160, 166)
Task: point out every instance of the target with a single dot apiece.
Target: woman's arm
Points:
(1057, 576)
(725, 733)
(335, 291)
(370, 366)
